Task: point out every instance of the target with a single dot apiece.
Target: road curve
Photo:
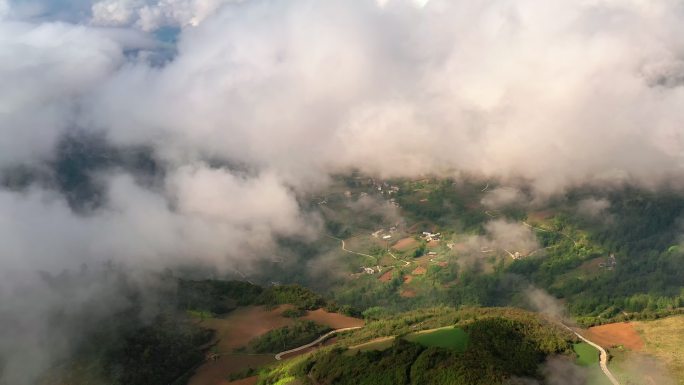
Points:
(344, 248)
(603, 357)
(320, 339)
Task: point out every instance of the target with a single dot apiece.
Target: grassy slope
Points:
(665, 339)
(586, 354)
(448, 338)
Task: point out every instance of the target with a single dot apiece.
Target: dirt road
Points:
(320, 339)
(603, 357)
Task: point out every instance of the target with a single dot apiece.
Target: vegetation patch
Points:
(293, 313)
(665, 339)
(379, 344)
(448, 338)
(288, 337)
(587, 355)
(496, 349)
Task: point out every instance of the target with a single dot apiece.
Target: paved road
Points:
(603, 357)
(320, 339)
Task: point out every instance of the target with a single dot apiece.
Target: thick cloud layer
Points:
(261, 100)
(555, 94)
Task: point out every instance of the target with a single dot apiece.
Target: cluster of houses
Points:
(428, 236)
(385, 235)
(383, 187)
(610, 263)
(371, 270)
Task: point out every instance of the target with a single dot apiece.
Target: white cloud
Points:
(115, 12)
(502, 197)
(44, 69)
(4, 8)
(152, 15)
(555, 94)
(593, 208)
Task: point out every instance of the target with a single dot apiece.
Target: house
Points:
(431, 236)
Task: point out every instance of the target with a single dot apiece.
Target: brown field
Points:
(405, 244)
(616, 334)
(386, 276)
(240, 327)
(408, 293)
(245, 324)
(216, 372)
(592, 265)
(461, 247)
(420, 270)
(539, 216)
(408, 278)
(386, 260)
(433, 244)
(334, 320)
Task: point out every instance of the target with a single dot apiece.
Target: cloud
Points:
(541, 301)
(562, 371)
(264, 99)
(593, 208)
(440, 89)
(502, 197)
(556, 370)
(4, 8)
(210, 217)
(511, 236)
(152, 15)
(45, 69)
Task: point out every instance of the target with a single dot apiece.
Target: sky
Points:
(246, 105)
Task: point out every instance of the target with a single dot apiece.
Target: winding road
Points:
(320, 339)
(350, 251)
(344, 248)
(603, 357)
